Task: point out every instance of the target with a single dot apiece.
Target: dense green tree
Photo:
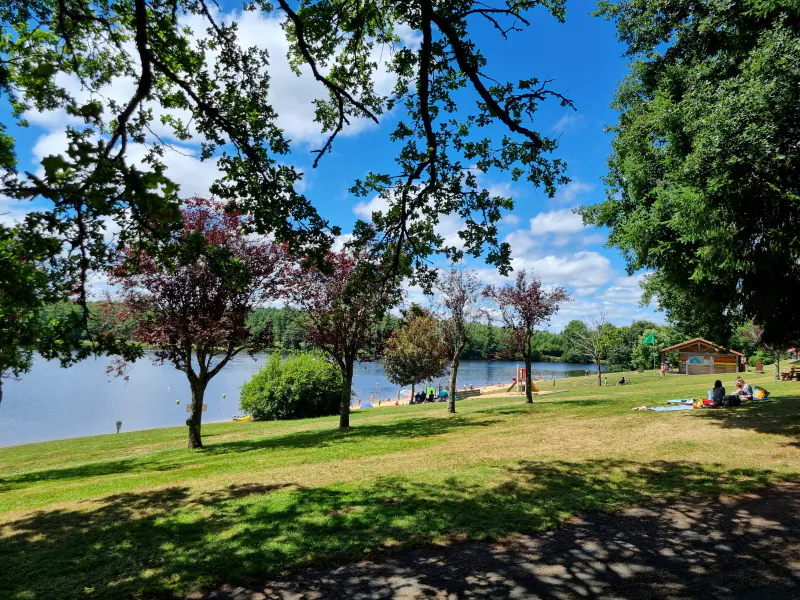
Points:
(302, 386)
(573, 332)
(288, 326)
(648, 355)
(619, 358)
(704, 178)
(415, 352)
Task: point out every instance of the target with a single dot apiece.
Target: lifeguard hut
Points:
(698, 356)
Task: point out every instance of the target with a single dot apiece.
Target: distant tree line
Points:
(487, 341)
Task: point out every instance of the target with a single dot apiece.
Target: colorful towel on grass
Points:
(672, 408)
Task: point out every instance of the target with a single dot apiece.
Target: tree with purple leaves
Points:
(344, 303)
(523, 306)
(191, 301)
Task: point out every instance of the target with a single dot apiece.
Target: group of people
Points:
(421, 397)
(718, 397)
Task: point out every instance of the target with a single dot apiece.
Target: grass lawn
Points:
(138, 515)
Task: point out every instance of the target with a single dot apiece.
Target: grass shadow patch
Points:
(169, 543)
(407, 428)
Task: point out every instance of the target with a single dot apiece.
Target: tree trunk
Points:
(599, 378)
(777, 356)
(451, 398)
(1, 388)
(344, 406)
(198, 386)
(528, 380)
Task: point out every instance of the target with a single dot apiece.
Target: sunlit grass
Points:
(138, 515)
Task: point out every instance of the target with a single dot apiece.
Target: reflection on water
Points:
(53, 403)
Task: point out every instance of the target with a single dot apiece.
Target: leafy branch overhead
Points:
(203, 84)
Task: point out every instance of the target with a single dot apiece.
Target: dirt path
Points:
(747, 547)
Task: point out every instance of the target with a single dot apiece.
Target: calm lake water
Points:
(54, 403)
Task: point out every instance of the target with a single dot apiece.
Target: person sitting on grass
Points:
(743, 390)
(716, 395)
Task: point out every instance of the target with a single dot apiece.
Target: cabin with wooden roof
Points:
(701, 357)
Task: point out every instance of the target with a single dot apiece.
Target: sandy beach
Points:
(501, 390)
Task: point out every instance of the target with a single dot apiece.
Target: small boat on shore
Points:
(247, 418)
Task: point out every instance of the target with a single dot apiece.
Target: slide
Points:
(513, 385)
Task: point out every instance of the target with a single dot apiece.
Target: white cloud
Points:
(364, 210)
(576, 270)
(624, 295)
(498, 189)
(570, 122)
(586, 291)
(556, 221)
(626, 290)
(12, 211)
(632, 281)
(594, 239)
(340, 240)
(572, 192)
(617, 314)
(510, 220)
(522, 242)
(580, 269)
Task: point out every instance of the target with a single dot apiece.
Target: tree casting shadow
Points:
(169, 542)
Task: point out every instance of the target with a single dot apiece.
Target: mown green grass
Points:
(138, 515)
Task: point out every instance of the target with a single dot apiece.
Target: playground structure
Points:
(521, 382)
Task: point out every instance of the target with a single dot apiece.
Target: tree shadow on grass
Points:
(401, 430)
(171, 542)
(406, 428)
(781, 417)
(83, 472)
(543, 401)
(743, 547)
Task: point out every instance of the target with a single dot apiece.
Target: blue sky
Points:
(583, 59)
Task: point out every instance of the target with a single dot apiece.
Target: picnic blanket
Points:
(674, 407)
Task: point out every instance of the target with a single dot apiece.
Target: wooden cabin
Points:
(701, 357)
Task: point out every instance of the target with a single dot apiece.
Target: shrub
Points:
(302, 386)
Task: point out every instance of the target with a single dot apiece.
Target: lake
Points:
(54, 403)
